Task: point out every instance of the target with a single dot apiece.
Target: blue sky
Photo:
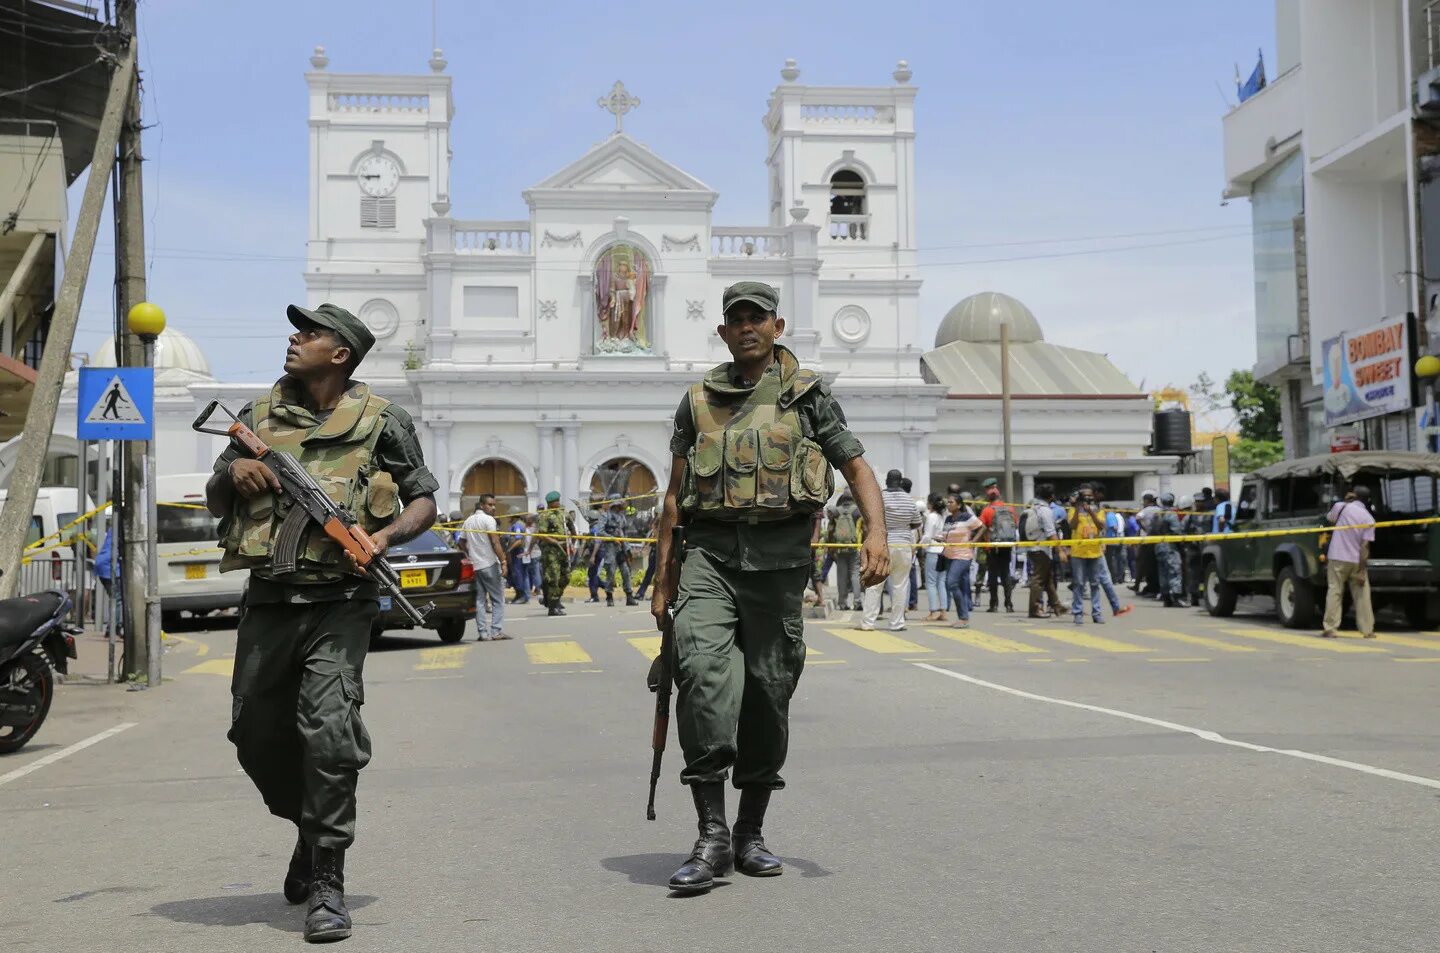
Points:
(1041, 128)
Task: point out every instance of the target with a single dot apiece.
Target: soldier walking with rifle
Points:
(309, 495)
(753, 447)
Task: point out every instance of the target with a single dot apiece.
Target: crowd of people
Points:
(934, 546)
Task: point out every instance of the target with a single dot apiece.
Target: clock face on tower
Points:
(378, 175)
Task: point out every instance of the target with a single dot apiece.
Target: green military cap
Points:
(552, 497)
(757, 293)
(350, 328)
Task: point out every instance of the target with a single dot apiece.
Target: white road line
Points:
(1203, 734)
(54, 756)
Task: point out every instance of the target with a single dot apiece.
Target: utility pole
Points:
(55, 361)
(1005, 409)
(130, 291)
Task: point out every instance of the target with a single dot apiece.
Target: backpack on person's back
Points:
(844, 528)
(1004, 525)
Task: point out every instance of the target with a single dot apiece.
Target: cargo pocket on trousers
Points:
(355, 739)
(233, 735)
(795, 650)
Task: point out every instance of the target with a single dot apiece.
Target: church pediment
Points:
(618, 165)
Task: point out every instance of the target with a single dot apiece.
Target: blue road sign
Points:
(116, 403)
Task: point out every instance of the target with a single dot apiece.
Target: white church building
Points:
(550, 352)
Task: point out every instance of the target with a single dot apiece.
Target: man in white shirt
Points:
(902, 519)
(482, 546)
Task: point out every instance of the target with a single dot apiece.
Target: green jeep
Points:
(1404, 566)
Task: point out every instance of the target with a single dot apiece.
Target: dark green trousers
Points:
(296, 717)
(740, 638)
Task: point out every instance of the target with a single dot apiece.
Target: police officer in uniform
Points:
(1166, 522)
(300, 648)
(753, 447)
(554, 553)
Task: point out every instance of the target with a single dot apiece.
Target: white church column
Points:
(910, 454)
(440, 258)
(440, 462)
(570, 460)
(546, 433)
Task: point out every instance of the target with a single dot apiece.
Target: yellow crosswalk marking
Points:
(1196, 640)
(1303, 641)
(445, 656)
(1087, 641)
(556, 653)
(882, 643)
(983, 640)
(1406, 640)
(215, 666)
(647, 645)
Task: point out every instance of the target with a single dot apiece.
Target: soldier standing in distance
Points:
(753, 448)
(300, 648)
(554, 553)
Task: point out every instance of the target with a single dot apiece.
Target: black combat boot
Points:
(711, 856)
(752, 857)
(328, 919)
(297, 878)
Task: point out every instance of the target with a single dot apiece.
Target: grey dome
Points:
(977, 319)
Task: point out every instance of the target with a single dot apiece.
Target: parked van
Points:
(52, 566)
(189, 552)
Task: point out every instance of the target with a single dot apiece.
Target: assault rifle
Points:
(662, 672)
(312, 505)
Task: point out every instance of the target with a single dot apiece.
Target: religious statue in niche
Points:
(622, 283)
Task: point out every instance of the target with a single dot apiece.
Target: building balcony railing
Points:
(849, 228)
(763, 242)
(492, 238)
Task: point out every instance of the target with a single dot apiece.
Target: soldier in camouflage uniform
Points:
(300, 647)
(1167, 555)
(753, 447)
(554, 553)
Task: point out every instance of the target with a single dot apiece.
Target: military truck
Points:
(1404, 566)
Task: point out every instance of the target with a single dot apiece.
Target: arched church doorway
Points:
(494, 476)
(627, 477)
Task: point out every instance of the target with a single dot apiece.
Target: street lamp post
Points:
(1427, 369)
(146, 322)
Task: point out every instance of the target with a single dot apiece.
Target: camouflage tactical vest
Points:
(752, 460)
(552, 521)
(339, 453)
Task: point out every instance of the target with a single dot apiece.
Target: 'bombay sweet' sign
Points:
(1367, 372)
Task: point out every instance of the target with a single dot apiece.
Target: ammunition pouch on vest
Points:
(752, 460)
(340, 454)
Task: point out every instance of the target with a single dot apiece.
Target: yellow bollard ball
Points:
(146, 320)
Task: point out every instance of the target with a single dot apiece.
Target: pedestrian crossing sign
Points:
(115, 403)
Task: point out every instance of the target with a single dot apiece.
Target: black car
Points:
(431, 570)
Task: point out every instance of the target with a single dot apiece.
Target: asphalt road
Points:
(1164, 782)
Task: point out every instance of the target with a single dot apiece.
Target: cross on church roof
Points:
(619, 102)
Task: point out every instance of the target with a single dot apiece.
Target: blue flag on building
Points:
(1255, 83)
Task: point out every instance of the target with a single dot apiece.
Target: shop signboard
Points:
(1367, 372)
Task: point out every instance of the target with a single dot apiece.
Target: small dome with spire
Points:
(177, 357)
(978, 318)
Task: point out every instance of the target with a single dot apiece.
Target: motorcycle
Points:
(35, 643)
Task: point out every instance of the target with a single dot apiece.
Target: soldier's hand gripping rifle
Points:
(662, 672)
(311, 505)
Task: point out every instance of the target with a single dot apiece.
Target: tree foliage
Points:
(1256, 406)
(1247, 456)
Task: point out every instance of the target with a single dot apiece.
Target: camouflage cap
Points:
(351, 329)
(757, 293)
